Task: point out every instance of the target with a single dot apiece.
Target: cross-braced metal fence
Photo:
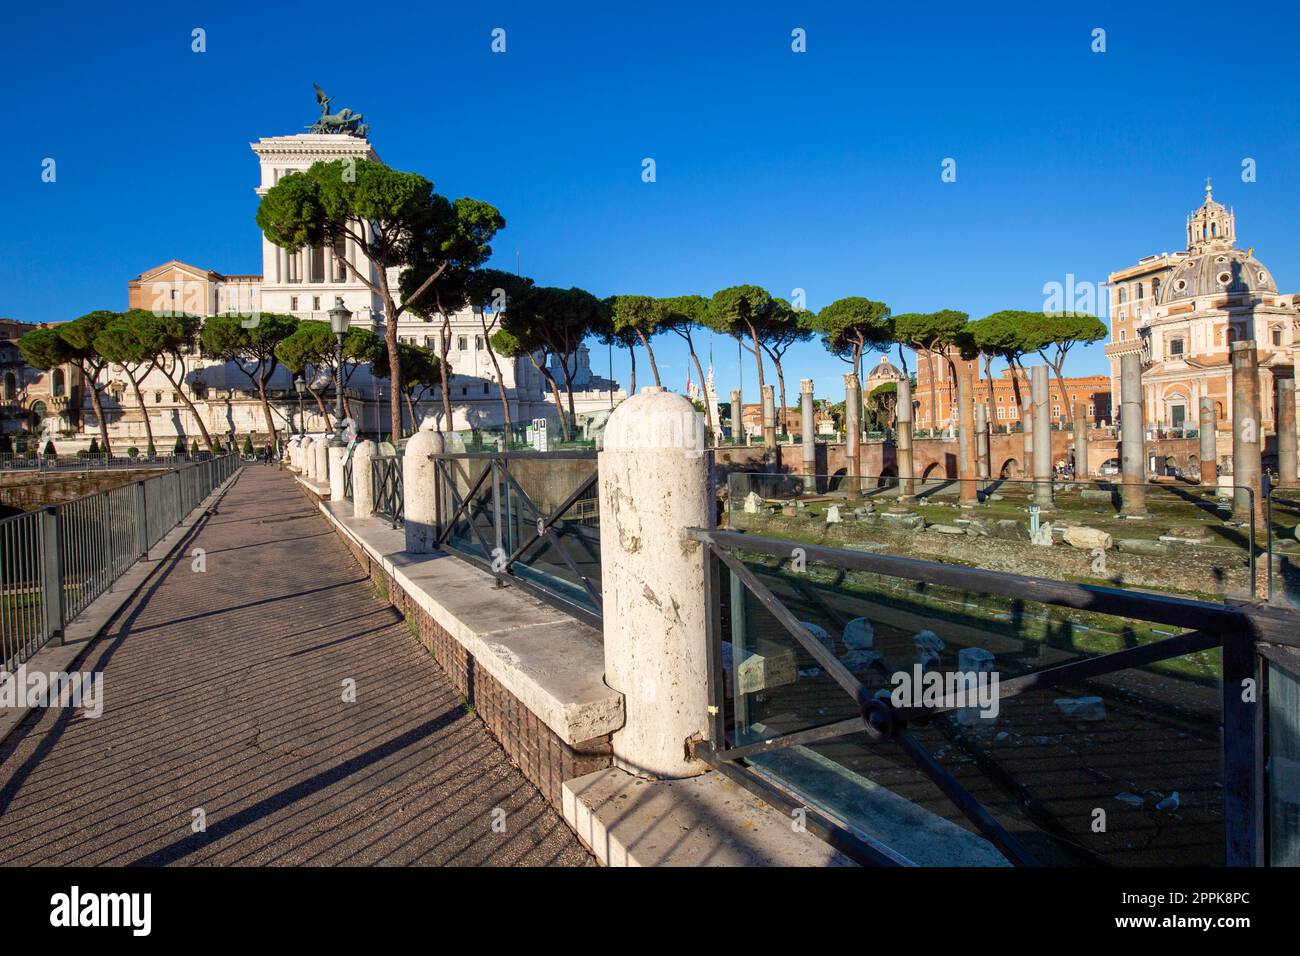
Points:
(788, 691)
(386, 472)
(530, 517)
(54, 562)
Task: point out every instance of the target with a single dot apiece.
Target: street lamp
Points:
(340, 318)
(300, 384)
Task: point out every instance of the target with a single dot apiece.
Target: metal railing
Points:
(790, 701)
(386, 472)
(532, 518)
(56, 561)
(10, 461)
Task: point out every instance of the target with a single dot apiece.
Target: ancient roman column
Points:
(1027, 429)
(1080, 441)
(1042, 440)
(1209, 446)
(808, 437)
(903, 441)
(1284, 389)
(1132, 441)
(1246, 438)
(654, 485)
(737, 418)
(982, 464)
(769, 417)
(420, 489)
(852, 431)
(968, 488)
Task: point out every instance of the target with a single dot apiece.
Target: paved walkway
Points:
(224, 693)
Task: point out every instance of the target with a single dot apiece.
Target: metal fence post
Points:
(1243, 750)
(142, 520)
(52, 575)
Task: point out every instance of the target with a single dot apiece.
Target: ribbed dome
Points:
(885, 371)
(1214, 273)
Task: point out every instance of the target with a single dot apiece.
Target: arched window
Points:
(1122, 295)
(1155, 288)
(58, 385)
(1139, 295)
(11, 386)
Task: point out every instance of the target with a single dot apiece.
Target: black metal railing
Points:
(347, 474)
(386, 473)
(1161, 736)
(531, 518)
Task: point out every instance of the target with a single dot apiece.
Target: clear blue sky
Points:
(818, 171)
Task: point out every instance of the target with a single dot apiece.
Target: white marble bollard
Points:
(320, 451)
(363, 480)
(336, 453)
(308, 459)
(420, 488)
(653, 486)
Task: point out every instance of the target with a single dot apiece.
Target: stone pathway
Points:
(224, 694)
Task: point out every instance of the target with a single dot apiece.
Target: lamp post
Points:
(340, 318)
(300, 385)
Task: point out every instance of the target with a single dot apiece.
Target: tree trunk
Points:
(180, 390)
(631, 351)
(394, 364)
(410, 407)
(782, 428)
(555, 392)
(501, 381)
(988, 377)
(654, 366)
(320, 407)
(1060, 383)
(148, 426)
(266, 409)
(1015, 384)
(708, 405)
(568, 386)
(444, 376)
(758, 357)
(99, 411)
(934, 393)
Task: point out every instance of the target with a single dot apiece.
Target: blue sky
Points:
(818, 171)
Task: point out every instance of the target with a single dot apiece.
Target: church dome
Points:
(885, 371)
(1215, 266)
(1216, 272)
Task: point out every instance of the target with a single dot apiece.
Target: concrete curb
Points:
(80, 633)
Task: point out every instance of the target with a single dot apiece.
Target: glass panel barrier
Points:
(1119, 769)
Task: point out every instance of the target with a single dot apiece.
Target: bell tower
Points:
(1211, 227)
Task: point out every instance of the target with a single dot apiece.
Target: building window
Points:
(11, 386)
(58, 383)
(1122, 335)
(1175, 346)
(1000, 411)
(293, 303)
(340, 259)
(478, 342)
(294, 263)
(1123, 295)
(315, 303)
(1139, 289)
(1277, 336)
(430, 342)
(462, 343)
(1155, 288)
(485, 388)
(157, 398)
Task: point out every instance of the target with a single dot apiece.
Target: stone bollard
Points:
(1042, 440)
(336, 453)
(808, 437)
(420, 489)
(968, 488)
(653, 486)
(1246, 438)
(308, 459)
(320, 451)
(1209, 442)
(1132, 436)
(363, 480)
(1284, 388)
(293, 453)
